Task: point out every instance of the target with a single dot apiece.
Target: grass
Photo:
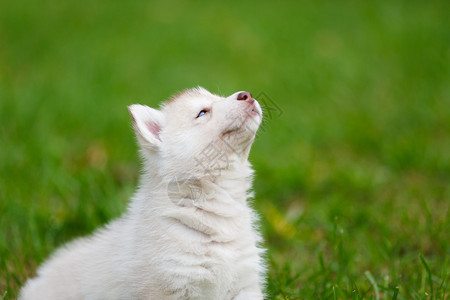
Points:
(352, 163)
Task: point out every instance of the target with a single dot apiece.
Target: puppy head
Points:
(196, 130)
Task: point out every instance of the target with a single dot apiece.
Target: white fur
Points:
(173, 243)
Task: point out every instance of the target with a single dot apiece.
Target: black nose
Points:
(244, 96)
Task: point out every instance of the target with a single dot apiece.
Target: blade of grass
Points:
(396, 290)
(321, 261)
(442, 287)
(374, 284)
(355, 290)
(430, 280)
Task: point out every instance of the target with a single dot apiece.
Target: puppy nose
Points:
(244, 96)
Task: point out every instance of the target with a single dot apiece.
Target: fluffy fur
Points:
(189, 232)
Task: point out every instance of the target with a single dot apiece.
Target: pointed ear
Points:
(147, 123)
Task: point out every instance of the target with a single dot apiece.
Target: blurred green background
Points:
(352, 172)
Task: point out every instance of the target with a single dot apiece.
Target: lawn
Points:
(352, 162)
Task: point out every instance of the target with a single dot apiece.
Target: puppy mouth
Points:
(253, 112)
(256, 109)
(225, 133)
(232, 130)
(250, 113)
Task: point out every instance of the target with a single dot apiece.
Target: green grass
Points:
(352, 173)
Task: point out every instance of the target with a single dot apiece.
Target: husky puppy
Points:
(189, 232)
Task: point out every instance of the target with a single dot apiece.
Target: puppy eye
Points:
(201, 113)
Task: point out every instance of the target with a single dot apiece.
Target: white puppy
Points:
(189, 232)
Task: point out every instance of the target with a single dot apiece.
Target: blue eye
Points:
(201, 113)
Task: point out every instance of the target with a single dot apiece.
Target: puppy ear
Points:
(147, 123)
